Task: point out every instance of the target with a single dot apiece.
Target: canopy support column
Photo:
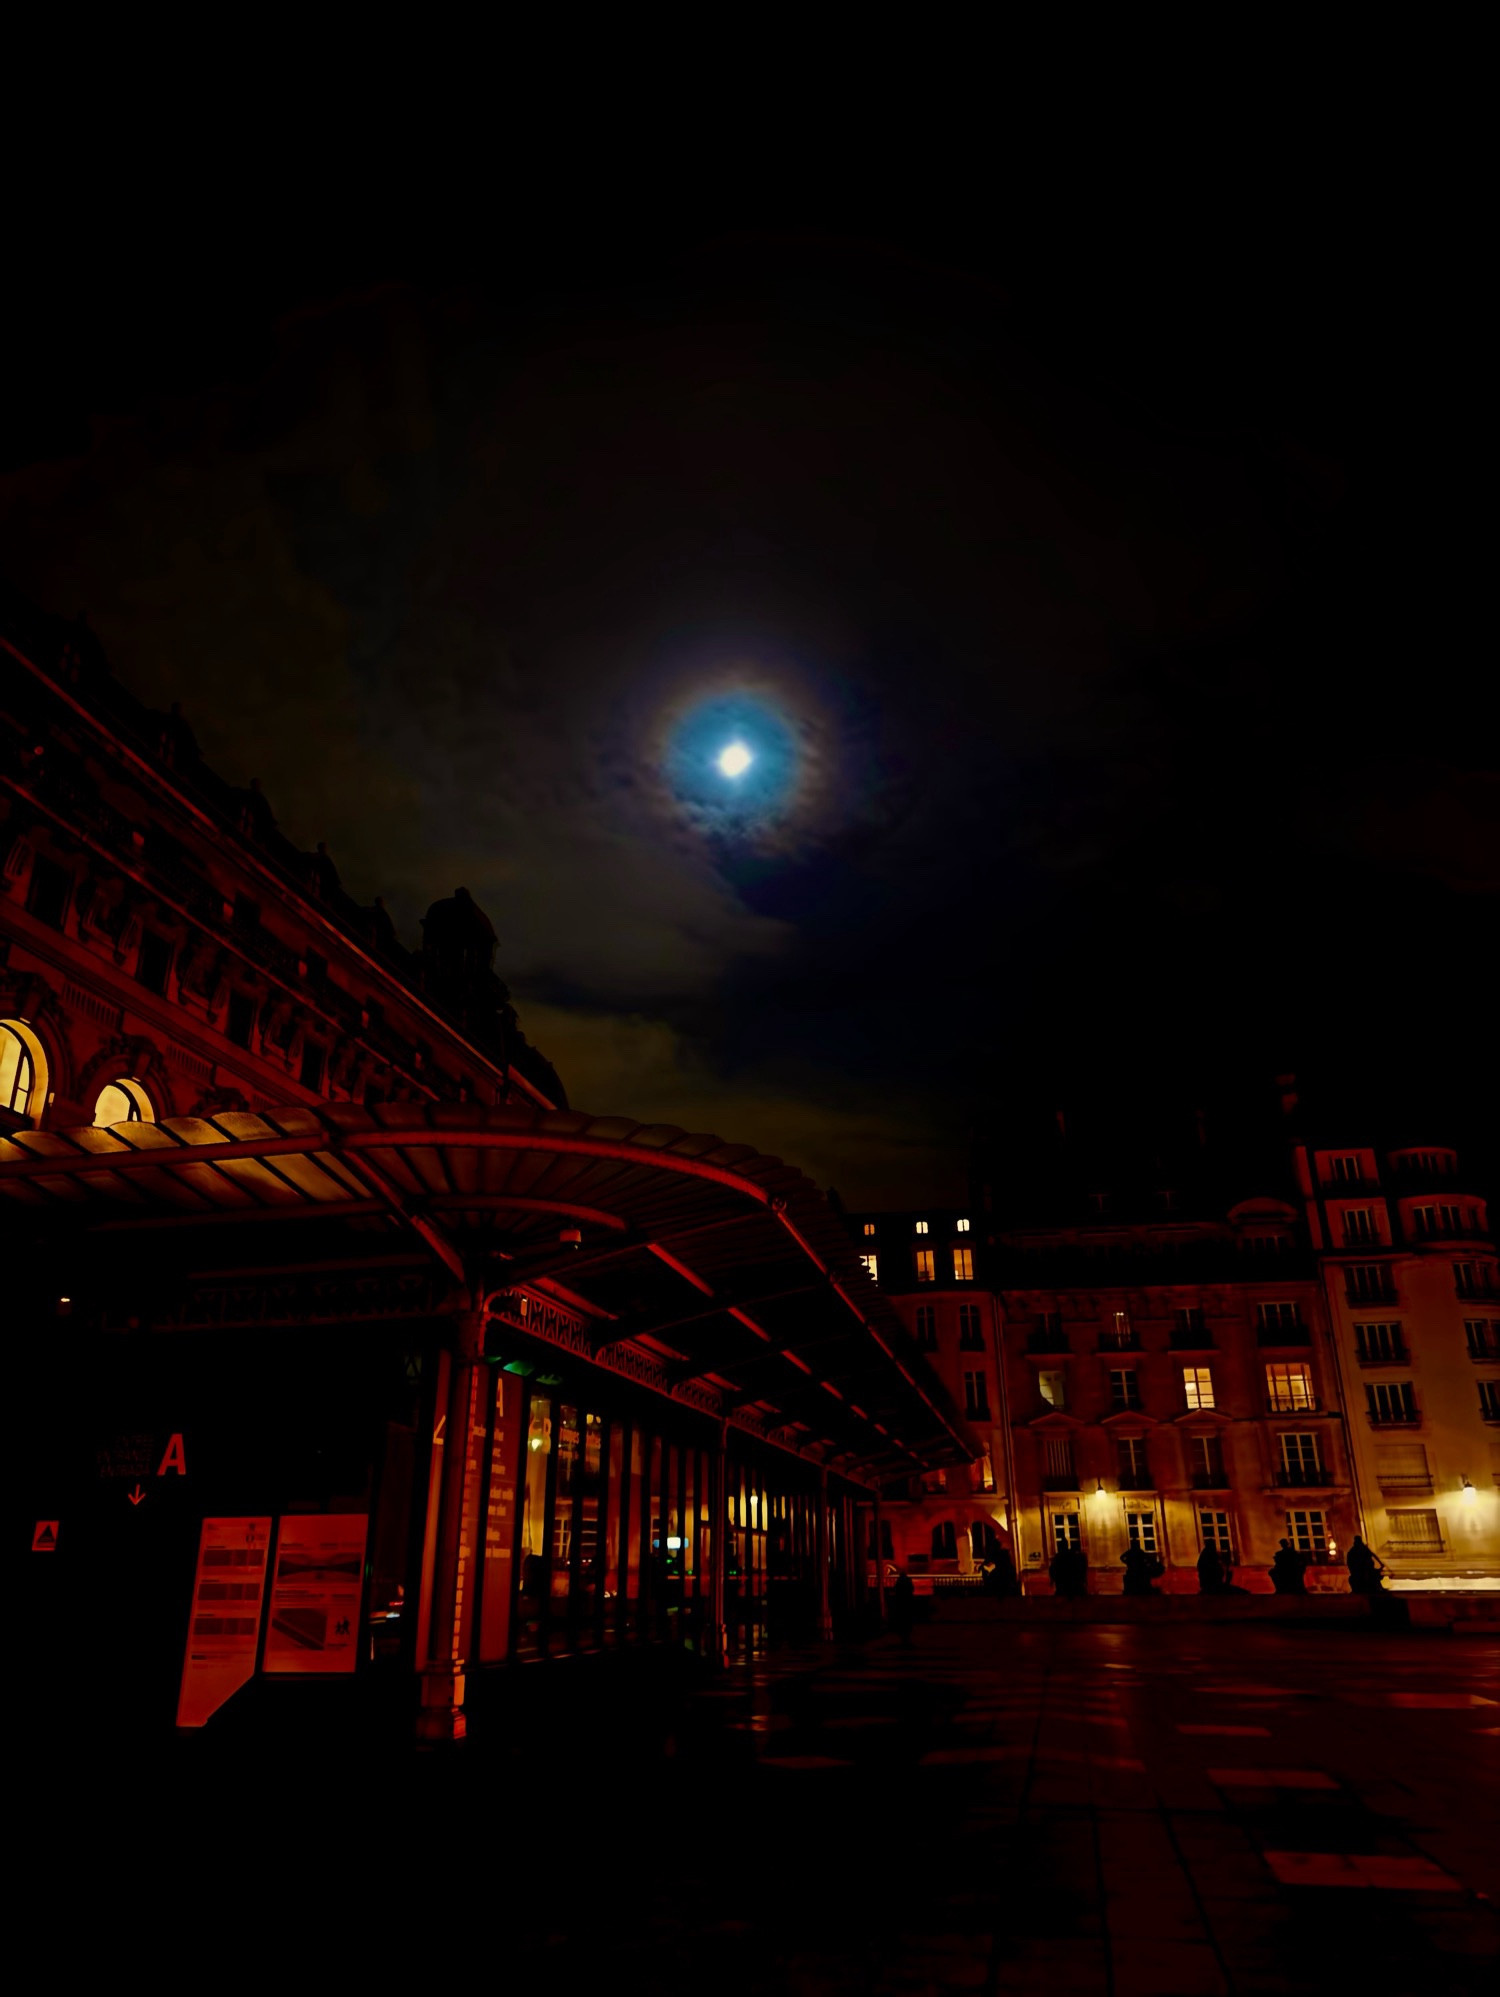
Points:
(879, 1559)
(825, 1611)
(440, 1715)
(718, 1505)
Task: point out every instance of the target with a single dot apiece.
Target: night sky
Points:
(1109, 597)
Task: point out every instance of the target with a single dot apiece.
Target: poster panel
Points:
(315, 1592)
(228, 1591)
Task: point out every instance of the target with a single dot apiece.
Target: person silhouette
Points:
(1365, 1569)
(1287, 1570)
(1141, 1569)
(1210, 1572)
(1007, 1583)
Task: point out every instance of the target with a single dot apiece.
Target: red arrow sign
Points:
(136, 1495)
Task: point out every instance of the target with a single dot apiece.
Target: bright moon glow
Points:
(735, 760)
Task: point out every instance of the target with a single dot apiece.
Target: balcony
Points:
(1138, 1481)
(1211, 1480)
(1445, 1230)
(1394, 1418)
(1395, 1355)
(1288, 1404)
(1483, 1289)
(1047, 1341)
(1484, 1351)
(1412, 1486)
(1316, 1478)
(1067, 1481)
(1197, 1338)
(1119, 1341)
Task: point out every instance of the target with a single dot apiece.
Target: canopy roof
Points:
(698, 1268)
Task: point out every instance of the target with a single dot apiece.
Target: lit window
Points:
(986, 1473)
(23, 1070)
(960, 1227)
(1198, 1385)
(1053, 1388)
(963, 1265)
(924, 1265)
(1140, 1527)
(869, 1229)
(122, 1102)
(921, 1227)
(1308, 1531)
(1065, 1532)
(872, 1266)
(1214, 1528)
(1289, 1387)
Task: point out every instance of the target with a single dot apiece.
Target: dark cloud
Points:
(1104, 602)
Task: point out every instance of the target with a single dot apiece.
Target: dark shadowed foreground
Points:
(1068, 1807)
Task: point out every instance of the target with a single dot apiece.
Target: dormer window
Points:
(961, 1227)
(921, 1227)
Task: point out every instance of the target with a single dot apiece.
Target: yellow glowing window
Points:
(872, 1264)
(869, 1229)
(921, 1227)
(963, 1265)
(1198, 1385)
(960, 1227)
(924, 1265)
(1289, 1387)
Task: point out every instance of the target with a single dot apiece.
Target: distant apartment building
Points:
(1170, 1368)
(1411, 1288)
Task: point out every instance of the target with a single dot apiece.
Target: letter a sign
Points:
(174, 1460)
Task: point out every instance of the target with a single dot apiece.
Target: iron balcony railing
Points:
(1395, 1354)
(1305, 1479)
(1291, 1404)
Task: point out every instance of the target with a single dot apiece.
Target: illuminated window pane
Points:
(122, 1102)
(963, 1265)
(1198, 1386)
(869, 1229)
(924, 1265)
(921, 1227)
(961, 1227)
(17, 1072)
(872, 1264)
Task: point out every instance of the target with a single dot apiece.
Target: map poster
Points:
(224, 1626)
(316, 1592)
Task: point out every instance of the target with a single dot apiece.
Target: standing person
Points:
(1007, 1581)
(1210, 1572)
(1287, 1570)
(903, 1607)
(1141, 1570)
(1365, 1570)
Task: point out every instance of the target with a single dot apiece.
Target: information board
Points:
(224, 1625)
(316, 1591)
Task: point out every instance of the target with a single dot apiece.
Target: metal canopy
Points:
(700, 1269)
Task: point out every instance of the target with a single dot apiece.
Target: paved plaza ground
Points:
(1129, 1809)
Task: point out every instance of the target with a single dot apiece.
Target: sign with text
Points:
(228, 1591)
(315, 1592)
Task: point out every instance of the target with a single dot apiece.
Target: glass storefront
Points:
(613, 1530)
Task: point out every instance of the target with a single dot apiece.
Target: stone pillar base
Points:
(440, 1716)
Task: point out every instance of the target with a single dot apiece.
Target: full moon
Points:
(735, 760)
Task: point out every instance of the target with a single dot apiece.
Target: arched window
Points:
(23, 1070)
(982, 1540)
(123, 1102)
(944, 1541)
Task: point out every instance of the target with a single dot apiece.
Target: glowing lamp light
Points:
(735, 759)
(1467, 1492)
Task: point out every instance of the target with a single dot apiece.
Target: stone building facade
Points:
(166, 951)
